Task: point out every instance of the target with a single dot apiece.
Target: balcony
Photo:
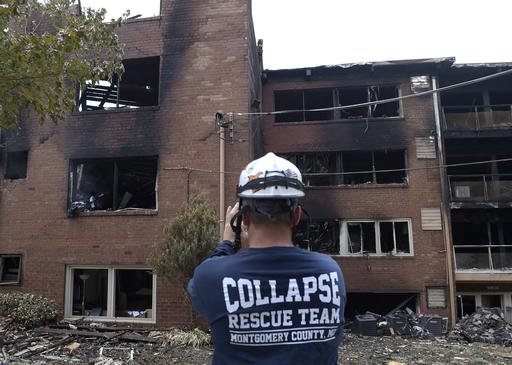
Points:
(483, 258)
(481, 188)
(477, 117)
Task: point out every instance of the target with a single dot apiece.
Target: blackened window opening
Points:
(361, 237)
(351, 168)
(318, 169)
(320, 235)
(137, 87)
(113, 184)
(16, 165)
(482, 227)
(352, 97)
(10, 268)
(300, 103)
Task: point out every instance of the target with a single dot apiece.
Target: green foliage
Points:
(45, 50)
(27, 310)
(194, 338)
(189, 239)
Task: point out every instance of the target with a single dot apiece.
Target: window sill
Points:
(9, 283)
(116, 110)
(111, 319)
(121, 212)
(331, 121)
(360, 186)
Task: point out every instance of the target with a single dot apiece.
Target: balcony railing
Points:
(477, 117)
(484, 188)
(487, 258)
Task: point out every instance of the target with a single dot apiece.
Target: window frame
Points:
(336, 102)
(18, 279)
(115, 180)
(340, 176)
(116, 87)
(344, 249)
(16, 155)
(111, 292)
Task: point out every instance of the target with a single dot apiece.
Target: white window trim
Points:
(110, 294)
(344, 233)
(506, 301)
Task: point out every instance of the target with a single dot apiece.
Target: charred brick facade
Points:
(387, 276)
(207, 60)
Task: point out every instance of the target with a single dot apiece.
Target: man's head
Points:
(269, 188)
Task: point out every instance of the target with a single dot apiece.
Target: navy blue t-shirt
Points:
(276, 305)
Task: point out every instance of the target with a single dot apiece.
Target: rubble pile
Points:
(395, 342)
(486, 325)
(95, 344)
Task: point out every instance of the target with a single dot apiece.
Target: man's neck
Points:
(262, 238)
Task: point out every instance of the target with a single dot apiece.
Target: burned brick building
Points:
(409, 190)
(406, 230)
(477, 134)
(83, 203)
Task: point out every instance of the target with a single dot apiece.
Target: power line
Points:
(384, 101)
(191, 169)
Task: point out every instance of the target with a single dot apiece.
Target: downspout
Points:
(445, 211)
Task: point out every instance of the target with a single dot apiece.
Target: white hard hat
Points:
(270, 177)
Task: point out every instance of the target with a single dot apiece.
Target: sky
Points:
(307, 33)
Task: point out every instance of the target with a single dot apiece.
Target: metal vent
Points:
(420, 84)
(436, 297)
(431, 219)
(425, 147)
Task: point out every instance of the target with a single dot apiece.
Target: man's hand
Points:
(228, 232)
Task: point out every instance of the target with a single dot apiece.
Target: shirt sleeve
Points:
(225, 248)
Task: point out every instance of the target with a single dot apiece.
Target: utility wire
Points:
(184, 168)
(384, 101)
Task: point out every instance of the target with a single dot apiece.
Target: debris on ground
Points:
(486, 325)
(481, 338)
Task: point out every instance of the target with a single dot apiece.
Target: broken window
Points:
(463, 110)
(113, 184)
(10, 269)
(361, 237)
(354, 96)
(350, 168)
(361, 95)
(318, 169)
(110, 292)
(137, 87)
(482, 239)
(358, 168)
(362, 167)
(16, 165)
(302, 105)
(376, 237)
(394, 237)
(385, 110)
(468, 303)
(320, 235)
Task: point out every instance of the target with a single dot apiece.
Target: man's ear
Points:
(246, 219)
(297, 213)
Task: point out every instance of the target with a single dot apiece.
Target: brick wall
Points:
(204, 48)
(384, 274)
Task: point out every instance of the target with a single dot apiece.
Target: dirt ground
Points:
(390, 350)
